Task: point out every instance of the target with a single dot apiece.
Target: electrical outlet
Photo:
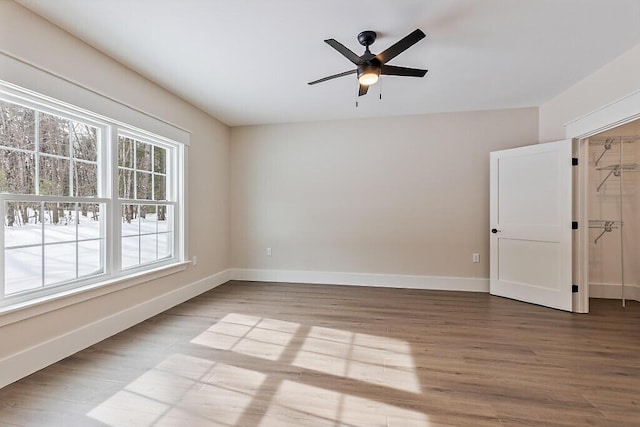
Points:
(476, 257)
(268, 251)
(194, 260)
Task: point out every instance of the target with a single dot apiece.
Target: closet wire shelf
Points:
(606, 146)
(607, 226)
(616, 170)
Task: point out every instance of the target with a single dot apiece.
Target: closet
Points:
(613, 211)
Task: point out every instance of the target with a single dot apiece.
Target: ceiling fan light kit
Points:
(369, 67)
(368, 75)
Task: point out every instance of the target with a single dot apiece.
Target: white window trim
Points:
(37, 306)
(57, 89)
(112, 279)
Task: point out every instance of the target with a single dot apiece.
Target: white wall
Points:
(400, 196)
(25, 343)
(614, 81)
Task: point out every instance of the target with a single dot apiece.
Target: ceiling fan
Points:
(370, 66)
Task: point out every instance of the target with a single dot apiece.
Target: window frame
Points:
(108, 131)
(171, 189)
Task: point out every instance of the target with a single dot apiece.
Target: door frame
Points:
(617, 113)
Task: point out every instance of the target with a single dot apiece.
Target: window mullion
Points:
(179, 196)
(42, 269)
(114, 226)
(71, 163)
(2, 279)
(139, 235)
(36, 144)
(134, 166)
(153, 180)
(157, 235)
(77, 216)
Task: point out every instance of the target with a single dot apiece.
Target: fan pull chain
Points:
(380, 86)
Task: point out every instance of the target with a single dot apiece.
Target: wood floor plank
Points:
(250, 354)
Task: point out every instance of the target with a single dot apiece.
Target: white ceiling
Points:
(249, 61)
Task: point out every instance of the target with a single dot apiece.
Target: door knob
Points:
(495, 230)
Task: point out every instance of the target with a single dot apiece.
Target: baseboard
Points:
(442, 283)
(614, 291)
(28, 361)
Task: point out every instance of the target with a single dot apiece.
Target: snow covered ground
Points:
(75, 250)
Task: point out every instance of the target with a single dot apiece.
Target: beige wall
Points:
(402, 195)
(614, 81)
(26, 36)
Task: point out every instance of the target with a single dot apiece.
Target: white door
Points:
(530, 220)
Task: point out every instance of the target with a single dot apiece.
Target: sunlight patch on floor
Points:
(374, 359)
(182, 387)
(186, 389)
(315, 406)
(252, 336)
(126, 408)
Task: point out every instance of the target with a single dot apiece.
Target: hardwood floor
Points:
(256, 354)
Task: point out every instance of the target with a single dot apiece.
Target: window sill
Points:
(20, 311)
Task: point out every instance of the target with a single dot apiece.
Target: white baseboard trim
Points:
(28, 361)
(441, 283)
(614, 291)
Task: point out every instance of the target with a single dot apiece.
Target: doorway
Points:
(595, 127)
(611, 192)
(608, 118)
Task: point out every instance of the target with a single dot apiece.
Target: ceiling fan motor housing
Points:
(366, 38)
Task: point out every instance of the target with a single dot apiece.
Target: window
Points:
(142, 189)
(84, 199)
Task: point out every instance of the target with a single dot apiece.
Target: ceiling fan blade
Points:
(344, 51)
(391, 70)
(362, 90)
(335, 76)
(400, 46)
